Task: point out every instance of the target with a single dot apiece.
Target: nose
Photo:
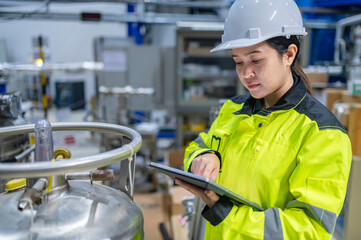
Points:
(248, 72)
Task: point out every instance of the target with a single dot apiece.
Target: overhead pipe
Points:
(187, 4)
(155, 18)
(340, 43)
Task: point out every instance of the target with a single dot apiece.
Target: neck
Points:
(273, 98)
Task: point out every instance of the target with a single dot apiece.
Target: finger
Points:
(214, 174)
(189, 187)
(211, 195)
(207, 171)
(198, 166)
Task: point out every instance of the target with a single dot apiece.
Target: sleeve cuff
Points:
(218, 212)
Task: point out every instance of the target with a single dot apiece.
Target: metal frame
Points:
(340, 43)
(41, 169)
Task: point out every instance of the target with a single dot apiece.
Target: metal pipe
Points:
(151, 18)
(78, 176)
(188, 4)
(125, 91)
(33, 195)
(339, 41)
(40, 184)
(42, 169)
(25, 152)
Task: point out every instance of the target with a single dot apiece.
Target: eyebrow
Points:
(249, 53)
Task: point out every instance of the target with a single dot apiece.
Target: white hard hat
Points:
(253, 21)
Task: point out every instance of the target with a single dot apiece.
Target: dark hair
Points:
(281, 44)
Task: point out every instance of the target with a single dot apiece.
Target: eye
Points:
(239, 63)
(256, 60)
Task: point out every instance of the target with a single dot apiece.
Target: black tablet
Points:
(202, 182)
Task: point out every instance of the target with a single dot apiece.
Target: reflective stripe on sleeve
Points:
(272, 225)
(326, 218)
(200, 142)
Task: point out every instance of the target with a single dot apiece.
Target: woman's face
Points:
(263, 72)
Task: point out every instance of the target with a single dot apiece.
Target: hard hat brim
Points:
(239, 43)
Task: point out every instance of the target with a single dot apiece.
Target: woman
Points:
(278, 147)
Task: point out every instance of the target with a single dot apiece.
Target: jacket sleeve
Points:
(317, 190)
(201, 145)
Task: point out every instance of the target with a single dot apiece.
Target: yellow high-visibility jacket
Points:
(293, 159)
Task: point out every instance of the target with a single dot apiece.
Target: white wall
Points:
(69, 41)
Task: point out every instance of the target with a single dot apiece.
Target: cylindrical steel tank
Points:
(79, 210)
(72, 208)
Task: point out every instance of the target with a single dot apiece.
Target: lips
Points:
(252, 86)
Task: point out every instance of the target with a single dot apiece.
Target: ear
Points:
(290, 55)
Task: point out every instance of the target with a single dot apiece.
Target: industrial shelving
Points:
(203, 79)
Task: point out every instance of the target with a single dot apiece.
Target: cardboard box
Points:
(347, 98)
(354, 128)
(349, 115)
(352, 228)
(172, 205)
(333, 95)
(180, 232)
(347, 109)
(318, 78)
(177, 194)
(152, 206)
(175, 158)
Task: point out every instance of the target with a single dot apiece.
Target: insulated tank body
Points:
(78, 210)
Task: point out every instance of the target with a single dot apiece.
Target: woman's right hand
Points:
(206, 165)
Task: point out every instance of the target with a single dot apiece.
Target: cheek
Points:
(239, 73)
(238, 70)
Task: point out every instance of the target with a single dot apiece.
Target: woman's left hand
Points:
(208, 196)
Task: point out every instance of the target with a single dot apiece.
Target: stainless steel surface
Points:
(81, 211)
(198, 223)
(40, 169)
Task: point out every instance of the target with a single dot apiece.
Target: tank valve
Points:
(95, 175)
(33, 195)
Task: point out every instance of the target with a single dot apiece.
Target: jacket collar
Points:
(288, 101)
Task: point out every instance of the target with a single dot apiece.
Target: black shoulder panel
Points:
(316, 111)
(240, 98)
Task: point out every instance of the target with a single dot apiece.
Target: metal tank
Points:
(65, 202)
